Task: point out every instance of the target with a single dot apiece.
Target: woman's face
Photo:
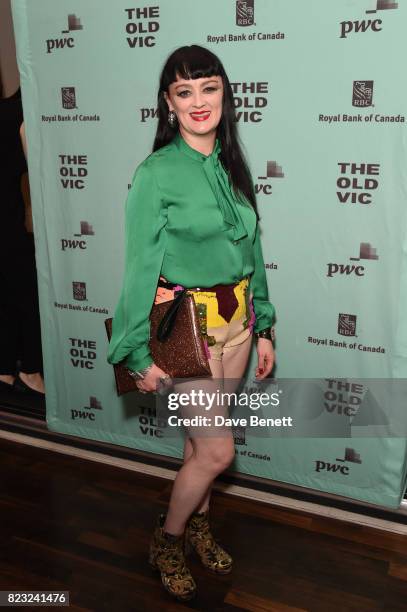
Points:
(197, 103)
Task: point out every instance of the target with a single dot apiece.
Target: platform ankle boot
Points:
(199, 537)
(167, 556)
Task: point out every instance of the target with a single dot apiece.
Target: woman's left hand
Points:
(265, 357)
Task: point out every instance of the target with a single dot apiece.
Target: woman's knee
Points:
(218, 457)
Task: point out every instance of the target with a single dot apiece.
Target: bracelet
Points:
(139, 374)
(268, 333)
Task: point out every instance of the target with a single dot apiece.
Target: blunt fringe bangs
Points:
(193, 62)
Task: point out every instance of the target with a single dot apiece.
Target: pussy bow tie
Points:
(219, 182)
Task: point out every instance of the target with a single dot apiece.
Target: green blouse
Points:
(182, 220)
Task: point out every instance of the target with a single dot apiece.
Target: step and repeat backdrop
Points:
(320, 98)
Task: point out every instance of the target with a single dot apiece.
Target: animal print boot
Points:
(167, 556)
(198, 536)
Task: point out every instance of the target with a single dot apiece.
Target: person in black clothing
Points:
(21, 366)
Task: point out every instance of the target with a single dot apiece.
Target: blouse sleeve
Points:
(145, 239)
(263, 309)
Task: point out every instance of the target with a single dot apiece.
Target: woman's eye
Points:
(185, 92)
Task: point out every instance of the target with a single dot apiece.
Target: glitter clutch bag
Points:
(176, 342)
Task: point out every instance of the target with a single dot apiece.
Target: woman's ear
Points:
(167, 99)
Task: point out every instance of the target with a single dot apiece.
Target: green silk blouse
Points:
(182, 220)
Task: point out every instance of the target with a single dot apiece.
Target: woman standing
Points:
(191, 221)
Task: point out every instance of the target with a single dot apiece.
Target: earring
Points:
(172, 118)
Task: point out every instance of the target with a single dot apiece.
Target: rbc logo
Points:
(362, 93)
(79, 290)
(245, 12)
(346, 324)
(68, 96)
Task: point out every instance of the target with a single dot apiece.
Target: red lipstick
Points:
(200, 115)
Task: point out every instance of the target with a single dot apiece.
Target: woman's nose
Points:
(198, 100)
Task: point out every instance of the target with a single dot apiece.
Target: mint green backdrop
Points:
(333, 234)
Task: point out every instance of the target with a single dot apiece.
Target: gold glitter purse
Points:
(176, 341)
(176, 344)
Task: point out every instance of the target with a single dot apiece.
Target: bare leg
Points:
(205, 458)
(234, 361)
(211, 456)
(204, 505)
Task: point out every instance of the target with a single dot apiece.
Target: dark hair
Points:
(195, 62)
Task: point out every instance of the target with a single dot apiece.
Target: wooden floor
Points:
(70, 524)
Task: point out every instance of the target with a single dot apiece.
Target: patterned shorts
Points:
(218, 333)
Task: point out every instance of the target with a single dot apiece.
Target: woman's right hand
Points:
(152, 379)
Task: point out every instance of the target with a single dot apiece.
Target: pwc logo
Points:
(366, 251)
(351, 456)
(369, 24)
(74, 24)
(86, 413)
(78, 241)
(273, 170)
